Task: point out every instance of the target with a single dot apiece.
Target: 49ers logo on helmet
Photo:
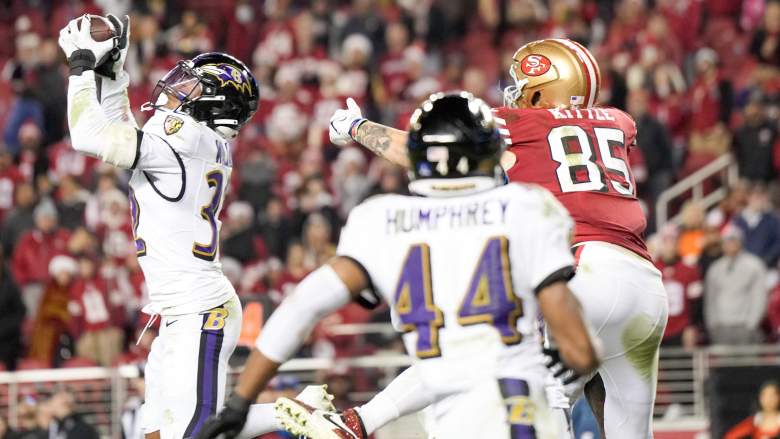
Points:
(535, 65)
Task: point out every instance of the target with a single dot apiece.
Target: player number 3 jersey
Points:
(180, 175)
(461, 272)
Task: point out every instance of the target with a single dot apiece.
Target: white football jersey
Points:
(180, 175)
(461, 273)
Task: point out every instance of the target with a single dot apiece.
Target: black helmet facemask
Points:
(215, 89)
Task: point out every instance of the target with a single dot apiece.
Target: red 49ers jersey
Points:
(683, 286)
(581, 156)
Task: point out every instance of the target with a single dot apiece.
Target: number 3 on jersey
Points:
(489, 299)
(209, 212)
(608, 141)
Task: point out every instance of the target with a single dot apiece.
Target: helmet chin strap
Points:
(227, 133)
(453, 187)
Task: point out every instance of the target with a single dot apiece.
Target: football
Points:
(101, 28)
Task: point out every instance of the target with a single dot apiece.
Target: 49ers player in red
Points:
(557, 138)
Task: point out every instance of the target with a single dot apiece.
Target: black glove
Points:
(227, 423)
(109, 67)
(555, 363)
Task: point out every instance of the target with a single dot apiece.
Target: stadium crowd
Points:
(700, 78)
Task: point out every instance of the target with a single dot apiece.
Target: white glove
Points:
(344, 123)
(73, 39)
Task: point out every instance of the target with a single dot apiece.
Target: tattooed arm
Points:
(348, 124)
(388, 143)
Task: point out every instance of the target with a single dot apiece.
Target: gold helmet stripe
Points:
(587, 65)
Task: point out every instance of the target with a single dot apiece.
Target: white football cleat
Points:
(317, 397)
(301, 419)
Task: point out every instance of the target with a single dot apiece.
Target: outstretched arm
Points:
(386, 142)
(348, 124)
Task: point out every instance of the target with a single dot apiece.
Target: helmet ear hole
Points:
(536, 98)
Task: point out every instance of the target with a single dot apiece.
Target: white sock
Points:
(404, 395)
(259, 421)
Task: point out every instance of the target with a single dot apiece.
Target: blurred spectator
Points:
(754, 142)
(36, 248)
(653, 139)
(33, 162)
(68, 424)
(53, 320)
(351, 184)
(760, 226)
(256, 174)
(736, 294)
(365, 20)
(690, 242)
(274, 228)
(71, 202)
(190, 37)
(10, 178)
(20, 72)
(765, 46)
(313, 197)
(712, 250)
(33, 420)
(317, 238)
(766, 422)
(20, 218)
(97, 318)
(144, 42)
(356, 54)
(51, 91)
(12, 319)
(684, 291)
(238, 238)
(729, 207)
(710, 100)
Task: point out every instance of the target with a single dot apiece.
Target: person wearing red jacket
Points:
(34, 251)
(96, 319)
(766, 423)
(684, 291)
(10, 177)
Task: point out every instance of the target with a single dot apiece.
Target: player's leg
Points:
(476, 412)
(508, 408)
(262, 418)
(624, 300)
(151, 409)
(198, 347)
(596, 395)
(404, 395)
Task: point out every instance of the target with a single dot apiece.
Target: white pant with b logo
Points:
(187, 369)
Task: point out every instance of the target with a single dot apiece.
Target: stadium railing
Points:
(681, 401)
(694, 187)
